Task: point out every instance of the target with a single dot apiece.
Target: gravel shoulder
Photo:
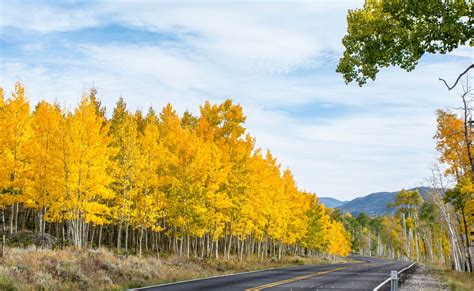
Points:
(423, 279)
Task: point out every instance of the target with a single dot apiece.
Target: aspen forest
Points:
(153, 182)
(197, 186)
(430, 232)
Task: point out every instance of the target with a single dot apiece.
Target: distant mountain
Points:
(376, 203)
(331, 202)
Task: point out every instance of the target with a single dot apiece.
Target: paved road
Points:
(363, 275)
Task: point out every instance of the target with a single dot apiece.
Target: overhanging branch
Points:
(459, 77)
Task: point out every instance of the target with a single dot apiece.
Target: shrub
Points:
(7, 283)
(25, 238)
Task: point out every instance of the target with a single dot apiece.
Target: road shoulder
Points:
(422, 278)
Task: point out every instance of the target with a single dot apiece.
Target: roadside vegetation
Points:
(31, 269)
(458, 281)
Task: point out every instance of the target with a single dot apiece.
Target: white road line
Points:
(385, 282)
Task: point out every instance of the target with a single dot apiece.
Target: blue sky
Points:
(276, 58)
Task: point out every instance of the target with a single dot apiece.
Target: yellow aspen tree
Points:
(213, 177)
(150, 203)
(100, 110)
(185, 193)
(87, 178)
(339, 242)
(298, 205)
(316, 237)
(276, 211)
(300, 220)
(43, 153)
(189, 121)
(16, 132)
(142, 120)
(288, 211)
(257, 205)
(177, 149)
(254, 202)
(124, 137)
(4, 177)
(59, 208)
(209, 175)
(192, 176)
(451, 144)
(223, 124)
(393, 237)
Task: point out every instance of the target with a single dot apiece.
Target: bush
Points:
(7, 284)
(25, 238)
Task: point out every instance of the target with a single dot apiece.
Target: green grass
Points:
(7, 283)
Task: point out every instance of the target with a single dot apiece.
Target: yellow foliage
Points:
(15, 133)
(190, 176)
(339, 242)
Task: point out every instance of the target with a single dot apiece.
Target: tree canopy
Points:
(399, 32)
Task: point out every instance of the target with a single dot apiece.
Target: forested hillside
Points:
(331, 202)
(153, 182)
(376, 203)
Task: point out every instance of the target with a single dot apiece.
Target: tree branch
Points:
(459, 77)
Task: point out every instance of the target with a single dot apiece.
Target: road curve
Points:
(366, 274)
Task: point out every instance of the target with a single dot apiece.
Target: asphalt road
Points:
(363, 275)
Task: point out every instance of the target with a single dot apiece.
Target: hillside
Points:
(376, 203)
(331, 202)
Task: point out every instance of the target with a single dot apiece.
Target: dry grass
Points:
(456, 280)
(30, 269)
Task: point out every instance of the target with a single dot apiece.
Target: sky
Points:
(276, 58)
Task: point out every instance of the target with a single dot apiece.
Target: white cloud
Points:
(45, 18)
